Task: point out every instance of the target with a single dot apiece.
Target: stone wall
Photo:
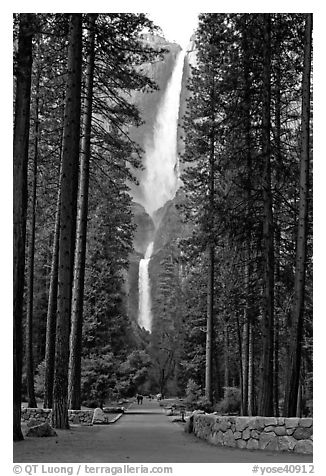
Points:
(265, 433)
(81, 417)
(36, 416)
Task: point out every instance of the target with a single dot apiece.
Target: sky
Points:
(176, 25)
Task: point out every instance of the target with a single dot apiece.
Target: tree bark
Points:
(209, 329)
(30, 264)
(265, 406)
(227, 359)
(248, 237)
(240, 364)
(251, 402)
(70, 156)
(20, 159)
(51, 318)
(292, 381)
(81, 234)
(211, 258)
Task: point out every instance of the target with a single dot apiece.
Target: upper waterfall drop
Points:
(160, 181)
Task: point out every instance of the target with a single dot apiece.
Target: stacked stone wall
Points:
(41, 415)
(253, 433)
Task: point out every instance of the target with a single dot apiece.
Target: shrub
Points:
(91, 403)
(231, 401)
(204, 404)
(193, 391)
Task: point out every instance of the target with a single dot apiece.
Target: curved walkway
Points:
(143, 435)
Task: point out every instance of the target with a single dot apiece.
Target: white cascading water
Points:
(145, 313)
(161, 178)
(160, 181)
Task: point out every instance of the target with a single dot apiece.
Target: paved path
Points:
(143, 435)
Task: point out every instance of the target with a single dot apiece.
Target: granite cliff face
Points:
(164, 226)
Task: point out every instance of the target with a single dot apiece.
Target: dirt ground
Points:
(143, 435)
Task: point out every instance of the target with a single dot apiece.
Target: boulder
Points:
(302, 433)
(254, 434)
(237, 435)
(305, 422)
(279, 430)
(242, 423)
(265, 439)
(252, 444)
(224, 424)
(286, 443)
(304, 446)
(32, 422)
(291, 422)
(189, 426)
(290, 431)
(246, 434)
(269, 428)
(257, 423)
(273, 444)
(75, 419)
(241, 444)
(228, 439)
(270, 421)
(98, 416)
(45, 429)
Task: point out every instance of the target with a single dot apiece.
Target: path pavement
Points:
(143, 435)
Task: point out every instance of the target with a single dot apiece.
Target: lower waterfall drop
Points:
(144, 312)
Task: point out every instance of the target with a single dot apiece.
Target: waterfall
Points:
(145, 313)
(160, 181)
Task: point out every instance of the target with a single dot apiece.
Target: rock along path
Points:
(143, 435)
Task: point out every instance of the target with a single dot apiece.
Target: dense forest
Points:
(232, 298)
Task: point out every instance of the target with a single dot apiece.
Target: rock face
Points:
(43, 430)
(265, 433)
(148, 103)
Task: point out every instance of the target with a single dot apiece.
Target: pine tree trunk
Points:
(70, 156)
(20, 159)
(245, 362)
(30, 264)
(248, 187)
(209, 329)
(240, 364)
(80, 252)
(277, 214)
(251, 371)
(292, 381)
(265, 406)
(51, 318)
(211, 261)
(227, 359)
